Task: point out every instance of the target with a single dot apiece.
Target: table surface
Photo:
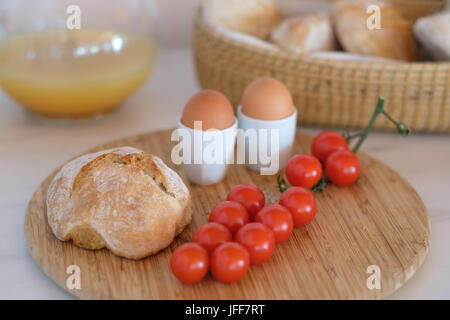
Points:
(31, 147)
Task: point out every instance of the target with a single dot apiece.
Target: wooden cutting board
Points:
(379, 221)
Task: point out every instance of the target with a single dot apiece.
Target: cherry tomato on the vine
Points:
(342, 168)
(278, 219)
(211, 234)
(229, 262)
(301, 203)
(189, 263)
(304, 170)
(231, 214)
(259, 241)
(250, 196)
(326, 143)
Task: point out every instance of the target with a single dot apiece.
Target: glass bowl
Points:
(76, 58)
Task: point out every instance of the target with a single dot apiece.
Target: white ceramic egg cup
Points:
(279, 152)
(213, 169)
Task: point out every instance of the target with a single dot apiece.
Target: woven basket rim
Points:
(200, 22)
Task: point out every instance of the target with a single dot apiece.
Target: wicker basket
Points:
(331, 93)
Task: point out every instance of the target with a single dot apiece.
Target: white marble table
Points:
(31, 147)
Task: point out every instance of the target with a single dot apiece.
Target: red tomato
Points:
(326, 143)
(211, 234)
(259, 241)
(343, 168)
(304, 171)
(229, 262)
(301, 203)
(250, 196)
(231, 214)
(189, 263)
(278, 219)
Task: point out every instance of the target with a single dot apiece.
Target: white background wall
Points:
(175, 16)
(175, 20)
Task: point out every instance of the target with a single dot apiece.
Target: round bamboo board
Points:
(378, 221)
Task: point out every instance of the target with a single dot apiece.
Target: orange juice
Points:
(74, 73)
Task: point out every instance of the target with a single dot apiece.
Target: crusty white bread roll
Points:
(254, 17)
(433, 32)
(305, 33)
(395, 39)
(122, 199)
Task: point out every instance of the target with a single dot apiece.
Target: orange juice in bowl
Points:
(78, 73)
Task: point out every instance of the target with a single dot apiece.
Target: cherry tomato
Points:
(343, 168)
(229, 262)
(259, 241)
(304, 171)
(250, 196)
(211, 234)
(189, 263)
(301, 203)
(278, 219)
(326, 143)
(231, 214)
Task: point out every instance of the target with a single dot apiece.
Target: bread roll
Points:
(304, 34)
(254, 17)
(395, 39)
(433, 32)
(121, 199)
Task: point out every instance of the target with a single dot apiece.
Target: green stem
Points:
(281, 184)
(321, 184)
(349, 137)
(365, 133)
(401, 127)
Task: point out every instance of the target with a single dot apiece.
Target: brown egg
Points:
(211, 107)
(267, 99)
